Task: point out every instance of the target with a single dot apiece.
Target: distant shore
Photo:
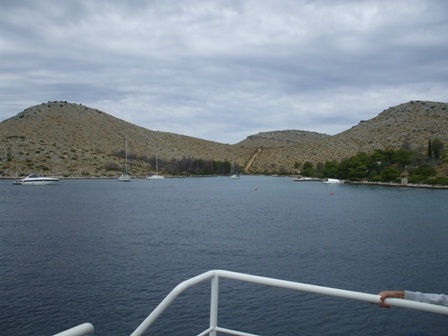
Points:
(113, 177)
(382, 184)
(407, 185)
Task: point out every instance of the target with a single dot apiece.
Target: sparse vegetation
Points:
(74, 140)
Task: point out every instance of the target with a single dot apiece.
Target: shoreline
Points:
(116, 177)
(390, 184)
(381, 184)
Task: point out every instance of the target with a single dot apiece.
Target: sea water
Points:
(108, 252)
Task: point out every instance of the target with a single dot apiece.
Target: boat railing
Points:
(84, 329)
(215, 275)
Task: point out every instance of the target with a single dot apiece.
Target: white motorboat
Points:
(37, 179)
(155, 177)
(332, 181)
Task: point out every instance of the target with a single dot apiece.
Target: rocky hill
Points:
(67, 139)
(75, 140)
(285, 138)
(408, 125)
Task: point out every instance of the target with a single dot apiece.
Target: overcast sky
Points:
(222, 70)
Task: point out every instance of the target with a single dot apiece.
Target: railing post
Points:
(214, 304)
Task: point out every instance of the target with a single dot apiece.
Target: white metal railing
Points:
(214, 275)
(84, 329)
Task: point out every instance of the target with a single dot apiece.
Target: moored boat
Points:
(233, 173)
(37, 179)
(332, 181)
(125, 177)
(156, 176)
(305, 179)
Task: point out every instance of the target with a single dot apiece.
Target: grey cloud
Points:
(219, 70)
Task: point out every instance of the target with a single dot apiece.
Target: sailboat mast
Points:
(157, 164)
(126, 166)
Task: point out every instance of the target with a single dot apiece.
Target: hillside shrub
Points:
(390, 174)
(112, 167)
(424, 170)
(416, 179)
(436, 181)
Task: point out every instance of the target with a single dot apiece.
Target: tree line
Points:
(384, 165)
(184, 166)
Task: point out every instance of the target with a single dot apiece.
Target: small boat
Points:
(156, 176)
(305, 179)
(332, 181)
(37, 179)
(233, 174)
(125, 177)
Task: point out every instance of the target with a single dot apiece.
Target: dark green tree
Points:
(331, 169)
(308, 169)
(402, 157)
(437, 148)
(390, 174)
(354, 167)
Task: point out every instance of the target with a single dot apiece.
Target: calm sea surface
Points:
(106, 252)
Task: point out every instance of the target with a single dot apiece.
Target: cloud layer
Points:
(225, 69)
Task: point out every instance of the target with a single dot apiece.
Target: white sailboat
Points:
(156, 176)
(233, 174)
(125, 177)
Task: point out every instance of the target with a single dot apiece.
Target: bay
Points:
(108, 252)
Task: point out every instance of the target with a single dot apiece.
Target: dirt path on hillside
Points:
(249, 164)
